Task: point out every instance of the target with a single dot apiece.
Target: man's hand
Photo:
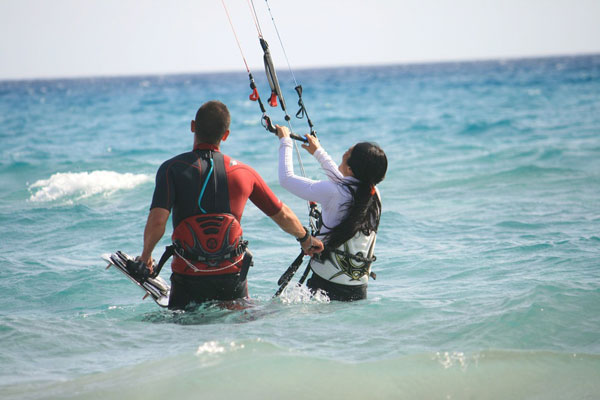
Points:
(149, 263)
(155, 228)
(289, 222)
(312, 246)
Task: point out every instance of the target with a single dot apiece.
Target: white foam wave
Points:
(450, 359)
(295, 294)
(79, 185)
(213, 347)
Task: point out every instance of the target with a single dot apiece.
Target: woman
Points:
(350, 207)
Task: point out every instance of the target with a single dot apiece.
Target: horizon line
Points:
(302, 68)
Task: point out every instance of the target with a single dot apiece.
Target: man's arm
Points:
(289, 222)
(155, 229)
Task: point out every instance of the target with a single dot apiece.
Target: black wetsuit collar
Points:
(206, 146)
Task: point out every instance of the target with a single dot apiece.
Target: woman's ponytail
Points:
(368, 163)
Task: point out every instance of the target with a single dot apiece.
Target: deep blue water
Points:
(488, 272)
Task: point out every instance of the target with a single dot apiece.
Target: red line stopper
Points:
(254, 95)
(273, 99)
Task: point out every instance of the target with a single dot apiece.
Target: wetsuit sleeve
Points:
(262, 196)
(164, 190)
(307, 189)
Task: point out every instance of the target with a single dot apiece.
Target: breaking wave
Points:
(80, 185)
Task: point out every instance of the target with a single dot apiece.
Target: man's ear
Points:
(224, 138)
(193, 126)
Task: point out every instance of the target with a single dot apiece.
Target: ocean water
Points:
(488, 255)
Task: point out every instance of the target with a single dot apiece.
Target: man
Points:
(207, 192)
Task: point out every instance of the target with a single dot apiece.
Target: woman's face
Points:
(344, 168)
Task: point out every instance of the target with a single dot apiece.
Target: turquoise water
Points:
(488, 274)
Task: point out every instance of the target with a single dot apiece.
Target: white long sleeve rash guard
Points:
(331, 194)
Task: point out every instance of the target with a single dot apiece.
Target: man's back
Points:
(180, 182)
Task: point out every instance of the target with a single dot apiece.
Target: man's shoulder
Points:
(184, 157)
(240, 170)
(233, 164)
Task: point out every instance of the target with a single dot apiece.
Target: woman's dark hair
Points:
(368, 163)
(212, 121)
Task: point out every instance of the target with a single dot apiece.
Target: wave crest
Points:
(79, 185)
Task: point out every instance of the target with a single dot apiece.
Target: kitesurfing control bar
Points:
(271, 128)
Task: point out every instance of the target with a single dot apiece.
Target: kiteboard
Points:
(157, 287)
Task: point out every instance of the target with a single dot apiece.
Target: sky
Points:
(76, 38)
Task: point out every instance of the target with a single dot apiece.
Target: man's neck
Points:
(206, 146)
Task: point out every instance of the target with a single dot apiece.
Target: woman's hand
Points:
(312, 145)
(282, 131)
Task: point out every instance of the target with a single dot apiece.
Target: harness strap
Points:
(355, 257)
(246, 264)
(193, 267)
(193, 256)
(213, 198)
(169, 251)
(221, 185)
(210, 171)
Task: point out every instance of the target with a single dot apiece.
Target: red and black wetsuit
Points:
(179, 184)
